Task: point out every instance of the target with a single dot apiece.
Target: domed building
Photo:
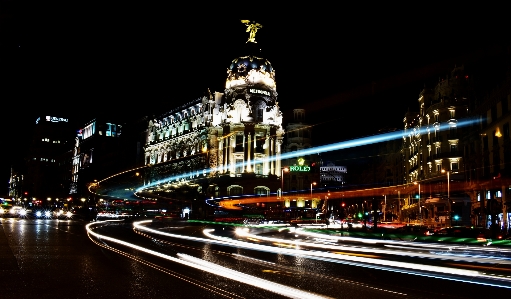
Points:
(220, 145)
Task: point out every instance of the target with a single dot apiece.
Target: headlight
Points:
(23, 212)
(69, 214)
(2, 211)
(47, 214)
(38, 213)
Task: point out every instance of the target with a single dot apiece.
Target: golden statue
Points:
(252, 28)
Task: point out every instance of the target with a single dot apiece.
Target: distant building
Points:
(432, 146)
(46, 175)
(332, 175)
(98, 152)
(489, 168)
(302, 171)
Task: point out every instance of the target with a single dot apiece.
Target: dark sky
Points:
(355, 70)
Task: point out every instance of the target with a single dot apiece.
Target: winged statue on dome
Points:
(252, 27)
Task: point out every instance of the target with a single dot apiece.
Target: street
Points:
(49, 258)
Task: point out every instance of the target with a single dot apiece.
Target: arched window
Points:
(262, 191)
(234, 190)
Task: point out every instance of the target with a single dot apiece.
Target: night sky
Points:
(353, 70)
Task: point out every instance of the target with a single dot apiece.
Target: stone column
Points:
(232, 144)
(505, 222)
(266, 155)
(213, 152)
(249, 153)
(221, 169)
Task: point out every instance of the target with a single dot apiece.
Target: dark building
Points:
(47, 173)
(98, 152)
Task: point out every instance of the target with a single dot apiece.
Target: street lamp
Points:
(385, 208)
(448, 196)
(313, 183)
(282, 180)
(420, 208)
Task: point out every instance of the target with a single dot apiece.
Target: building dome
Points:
(250, 70)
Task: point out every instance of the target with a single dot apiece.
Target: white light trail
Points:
(325, 148)
(440, 272)
(212, 268)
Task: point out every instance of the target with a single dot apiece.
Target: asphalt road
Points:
(57, 258)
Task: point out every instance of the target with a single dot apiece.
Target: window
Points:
(259, 168)
(504, 106)
(259, 114)
(454, 148)
(234, 190)
(493, 113)
(454, 166)
(261, 190)
(439, 167)
(239, 143)
(239, 165)
(451, 113)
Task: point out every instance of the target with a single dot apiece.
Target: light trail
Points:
(211, 268)
(439, 272)
(479, 259)
(325, 148)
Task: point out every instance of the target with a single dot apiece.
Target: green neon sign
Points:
(301, 168)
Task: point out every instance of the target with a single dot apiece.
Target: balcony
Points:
(453, 154)
(413, 169)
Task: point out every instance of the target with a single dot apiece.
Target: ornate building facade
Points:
(232, 140)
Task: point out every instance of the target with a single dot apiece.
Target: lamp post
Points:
(282, 180)
(385, 208)
(448, 196)
(420, 208)
(313, 183)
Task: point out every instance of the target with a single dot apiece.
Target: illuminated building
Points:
(332, 175)
(429, 148)
(230, 141)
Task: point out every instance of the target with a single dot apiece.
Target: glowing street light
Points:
(420, 208)
(448, 195)
(313, 183)
(282, 180)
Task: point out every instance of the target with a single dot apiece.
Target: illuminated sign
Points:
(259, 91)
(54, 119)
(300, 168)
